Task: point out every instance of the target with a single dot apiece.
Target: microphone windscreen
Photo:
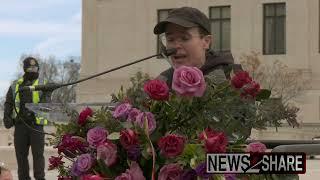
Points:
(169, 52)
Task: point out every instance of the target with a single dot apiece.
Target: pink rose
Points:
(97, 136)
(171, 145)
(134, 173)
(188, 81)
(91, 177)
(128, 138)
(170, 171)
(122, 110)
(157, 89)
(150, 119)
(256, 147)
(133, 114)
(240, 79)
(84, 115)
(108, 153)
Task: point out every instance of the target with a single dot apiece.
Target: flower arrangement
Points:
(158, 132)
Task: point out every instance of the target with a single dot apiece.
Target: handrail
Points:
(274, 143)
(309, 149)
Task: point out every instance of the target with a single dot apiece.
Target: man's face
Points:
(33, 69)
(190, 44)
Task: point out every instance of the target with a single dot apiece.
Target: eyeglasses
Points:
(183, 39)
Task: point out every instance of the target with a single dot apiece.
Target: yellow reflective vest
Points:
(35, 99)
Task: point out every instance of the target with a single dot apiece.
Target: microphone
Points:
(53, 86)
(47, 87)
(170, 52)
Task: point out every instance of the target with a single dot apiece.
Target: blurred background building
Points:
(118, 32)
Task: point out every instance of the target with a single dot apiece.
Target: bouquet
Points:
(161, 132)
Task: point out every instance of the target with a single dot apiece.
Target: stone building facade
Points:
(115, 32)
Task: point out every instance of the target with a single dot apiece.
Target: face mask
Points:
(31, 75)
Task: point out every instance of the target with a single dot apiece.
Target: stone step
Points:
(8, 156)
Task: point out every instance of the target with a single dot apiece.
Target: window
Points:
(274, 28)
(220, 27)
(162, 14)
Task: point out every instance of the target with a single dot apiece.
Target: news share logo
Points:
(259, 163)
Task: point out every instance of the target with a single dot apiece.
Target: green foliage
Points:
(263, 94)
(192, 155)
(134, 93)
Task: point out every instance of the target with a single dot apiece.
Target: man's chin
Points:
(175, 66)
(179, 64)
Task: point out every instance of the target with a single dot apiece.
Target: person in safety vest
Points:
(28, 125)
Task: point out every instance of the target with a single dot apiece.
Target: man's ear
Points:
(207, 41)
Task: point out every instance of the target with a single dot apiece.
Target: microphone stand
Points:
(52, 87)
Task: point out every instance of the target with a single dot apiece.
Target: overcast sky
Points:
(43, 27)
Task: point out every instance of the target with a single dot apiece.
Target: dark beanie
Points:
(30, 61)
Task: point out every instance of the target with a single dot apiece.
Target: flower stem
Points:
(146, 130)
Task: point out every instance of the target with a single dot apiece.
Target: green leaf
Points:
(263, 94)
(127, 125)
(104, 168)
(114, 136)
(218, 177)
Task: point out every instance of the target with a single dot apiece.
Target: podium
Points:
(59, 112)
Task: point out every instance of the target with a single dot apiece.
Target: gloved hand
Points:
(8, 122)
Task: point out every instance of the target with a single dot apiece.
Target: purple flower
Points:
(97, 136)
(82, 165)
(108, 153)
(122, 110)
(134, 152)
(134, 112)
(201, 170)
(170, 171)
(150, 119)
(134, 173)
(190, 174)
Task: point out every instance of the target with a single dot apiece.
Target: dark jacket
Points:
(222, 62)
(25, 97)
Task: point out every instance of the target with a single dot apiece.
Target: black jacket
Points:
(214, 61)
(25, 97)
